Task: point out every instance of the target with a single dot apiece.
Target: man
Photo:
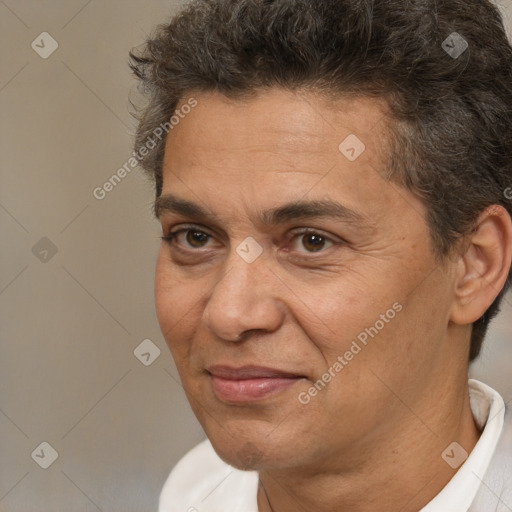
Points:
(336, 240)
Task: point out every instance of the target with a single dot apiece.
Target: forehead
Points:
(291, 124)
(277, 131)
(279, 147)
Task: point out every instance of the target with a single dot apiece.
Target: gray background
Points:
(70, 321)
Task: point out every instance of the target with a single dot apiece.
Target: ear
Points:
(484, 265)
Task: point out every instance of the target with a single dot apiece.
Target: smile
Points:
(249, 383)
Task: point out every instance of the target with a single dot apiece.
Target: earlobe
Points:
(483, 266)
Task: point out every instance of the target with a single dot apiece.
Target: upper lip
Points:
(249, 372)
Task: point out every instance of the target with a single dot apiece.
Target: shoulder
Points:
(202, 482)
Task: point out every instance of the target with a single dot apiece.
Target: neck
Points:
(401, 470)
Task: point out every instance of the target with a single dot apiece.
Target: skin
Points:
(372, 438)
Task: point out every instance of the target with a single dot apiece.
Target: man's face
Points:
(297, 255)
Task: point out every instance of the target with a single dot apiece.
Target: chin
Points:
(252, 453)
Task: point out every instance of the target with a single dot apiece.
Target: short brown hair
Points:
(444, 67)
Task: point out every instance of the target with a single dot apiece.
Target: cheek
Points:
(335, 312)
(359, 318)
(176, 302)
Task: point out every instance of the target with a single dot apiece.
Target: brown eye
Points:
(311, 242)
(188, 238)
(196, 239)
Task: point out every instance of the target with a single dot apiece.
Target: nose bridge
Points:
(239, 274)
(243, 299)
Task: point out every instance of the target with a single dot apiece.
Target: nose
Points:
(244, 299)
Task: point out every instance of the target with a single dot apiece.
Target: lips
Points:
(249, 383)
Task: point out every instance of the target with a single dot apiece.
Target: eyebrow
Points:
(293, 211)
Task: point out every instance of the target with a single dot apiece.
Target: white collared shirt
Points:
(202, 482)
(488, 411)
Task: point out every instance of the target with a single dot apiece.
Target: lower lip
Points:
(250, 390)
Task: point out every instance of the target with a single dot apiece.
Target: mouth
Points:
(249, 383)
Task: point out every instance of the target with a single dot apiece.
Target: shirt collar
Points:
(488, 410)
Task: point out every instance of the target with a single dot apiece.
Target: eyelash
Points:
(170, 237)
